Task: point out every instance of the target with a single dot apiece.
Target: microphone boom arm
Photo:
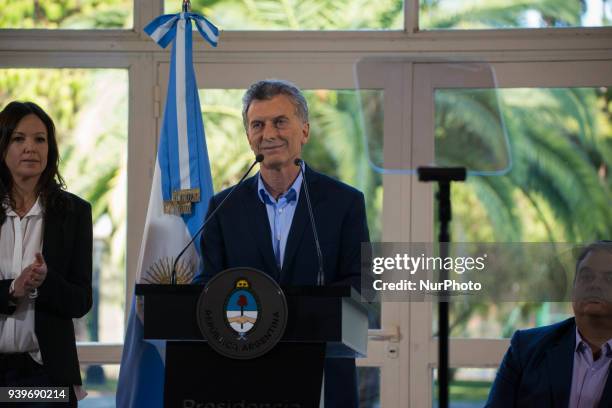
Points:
(320, 273)
(258, 159)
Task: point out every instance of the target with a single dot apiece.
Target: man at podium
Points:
(266, 223)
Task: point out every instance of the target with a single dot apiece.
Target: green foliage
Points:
(59, 91)
(66, 14)
(473, 392)
(478, 14)
(337, 148)
(298, 15)
(560, 176)
(228, 148)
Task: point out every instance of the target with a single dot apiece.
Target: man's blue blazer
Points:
(537, 370)
(239, 236)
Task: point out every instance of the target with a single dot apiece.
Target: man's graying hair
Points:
(268, 89)
(595, 246)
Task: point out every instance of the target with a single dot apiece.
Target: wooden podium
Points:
(323, 322)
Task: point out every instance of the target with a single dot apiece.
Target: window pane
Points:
(92, 139)
(468, 387)
(298, 15)
(558, 190)
(66, 14)
(369, 387)
(483, 14)
(100, 383)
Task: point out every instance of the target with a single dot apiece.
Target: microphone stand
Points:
(258, 159)
(320, 274)
(444, 176)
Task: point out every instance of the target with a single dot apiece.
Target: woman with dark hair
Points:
(45, 257)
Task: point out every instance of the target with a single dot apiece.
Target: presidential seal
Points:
(241, 309)
(242, 313)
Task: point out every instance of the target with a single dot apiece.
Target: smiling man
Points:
(567, 364)
(265, 224)
(277, 127)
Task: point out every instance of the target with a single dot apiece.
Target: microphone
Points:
(320, 274)
(258, 159)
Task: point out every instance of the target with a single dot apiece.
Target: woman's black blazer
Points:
(66, 292)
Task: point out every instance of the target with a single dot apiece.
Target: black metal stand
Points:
(444, 177)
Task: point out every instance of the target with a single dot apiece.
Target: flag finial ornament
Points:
(163, 29)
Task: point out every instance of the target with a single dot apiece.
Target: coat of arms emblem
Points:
(242, 313)
(241, 309)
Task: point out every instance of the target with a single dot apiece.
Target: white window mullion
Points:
(411, 16)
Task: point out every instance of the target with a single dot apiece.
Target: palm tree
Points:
(558, 140)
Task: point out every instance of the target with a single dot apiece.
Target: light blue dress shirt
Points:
(280, 214)
(589, 377)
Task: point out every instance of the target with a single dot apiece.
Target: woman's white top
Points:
(20, 240)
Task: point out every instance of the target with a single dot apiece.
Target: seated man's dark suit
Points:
(537, 370)
(239, 235)
(66, 292)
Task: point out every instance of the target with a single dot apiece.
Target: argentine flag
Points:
(182, 186)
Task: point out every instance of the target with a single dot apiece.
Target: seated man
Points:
(566, 364)
(266, 226)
